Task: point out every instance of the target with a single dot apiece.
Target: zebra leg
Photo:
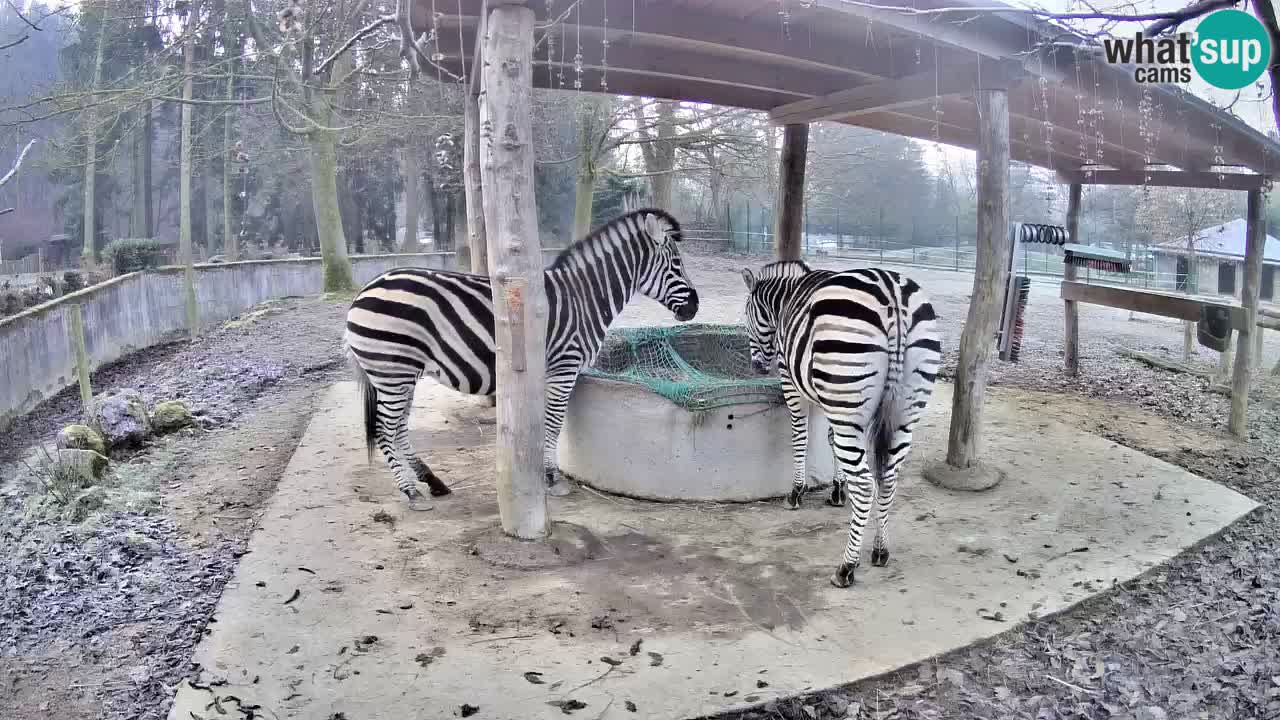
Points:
(850, 449)
(557, 400)
(837, 479)
(799, 441)
(420, 468)
(886, 491)
(392, 439)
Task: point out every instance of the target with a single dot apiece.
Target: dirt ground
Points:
(98, 619)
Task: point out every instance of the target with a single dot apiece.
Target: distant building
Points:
(1219, 262)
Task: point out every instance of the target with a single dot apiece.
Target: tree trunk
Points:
(148, 205)
(88, 253)
(324, 203)
(519, 297)
(964, 444)
(184, 181)
(458, 221)
(411, 169)
(1071, 344)
(230, 238)
(1255, 245)
(476, 239)
(789, 212)
(323, 144)
(435, 201)
(583, 198)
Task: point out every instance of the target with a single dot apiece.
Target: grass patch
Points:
(57, 491)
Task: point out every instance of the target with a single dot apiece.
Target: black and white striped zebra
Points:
(863, 346)
(411, 322)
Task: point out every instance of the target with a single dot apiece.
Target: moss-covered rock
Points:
(81, 437)
(171, 415)
(121, 418)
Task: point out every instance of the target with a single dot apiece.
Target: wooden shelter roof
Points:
(869, 65)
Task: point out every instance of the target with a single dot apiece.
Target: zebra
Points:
(863, 346)
(411, 322)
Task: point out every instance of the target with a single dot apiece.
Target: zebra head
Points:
(661, 274)
(766, 294)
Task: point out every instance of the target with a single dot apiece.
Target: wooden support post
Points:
(1224, 361)
(993, 251)
(1257, 348)
(1071, 339)
(1256, 238)
(471, 179)
(789, 213)
(515, 252)
(75, 335)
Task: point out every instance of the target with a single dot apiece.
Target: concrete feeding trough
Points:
(676, 414)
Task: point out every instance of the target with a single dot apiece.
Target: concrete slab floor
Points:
(351, 606)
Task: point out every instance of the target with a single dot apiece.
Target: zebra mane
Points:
(601, 234)
(784, 269)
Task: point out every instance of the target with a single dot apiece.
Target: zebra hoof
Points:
(559, 488)
(836, 499)
(793, 499)
(440, 491)
(844, 576)
(879, 557)
(417, 502)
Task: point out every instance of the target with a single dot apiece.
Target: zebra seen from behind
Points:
(863, 346)
(411, 322)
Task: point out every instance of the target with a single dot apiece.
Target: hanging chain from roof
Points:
(785, 15)
(1096, 117)
(550, 35)
(604, 50)
(577, 58)
(1217, 152)
(1080, 114)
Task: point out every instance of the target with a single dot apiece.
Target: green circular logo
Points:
(1231, 49)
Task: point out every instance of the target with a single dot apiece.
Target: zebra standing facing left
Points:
(863, 346)
(411, 322)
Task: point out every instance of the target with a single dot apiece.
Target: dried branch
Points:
(16, 164)
(361, 34)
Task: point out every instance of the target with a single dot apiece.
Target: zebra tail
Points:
(880, 432)
(370, 396)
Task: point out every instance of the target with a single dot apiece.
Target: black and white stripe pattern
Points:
(411, 322)
(863, 346)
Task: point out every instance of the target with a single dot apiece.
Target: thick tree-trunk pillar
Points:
(789, 212)
(962, 468)
(1071, 344)
(519, 296)
(471, 186)
(1256, 239)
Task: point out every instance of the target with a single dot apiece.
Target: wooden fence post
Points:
(515, 252)
(1256, 235)
(1071, 311)
(75, 335)
(789, 213)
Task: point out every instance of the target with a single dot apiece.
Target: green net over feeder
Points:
(696, 366)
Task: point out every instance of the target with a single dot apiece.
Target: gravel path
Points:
(98, 620)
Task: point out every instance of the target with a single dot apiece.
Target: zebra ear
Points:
(749, 278)
(653, 226)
